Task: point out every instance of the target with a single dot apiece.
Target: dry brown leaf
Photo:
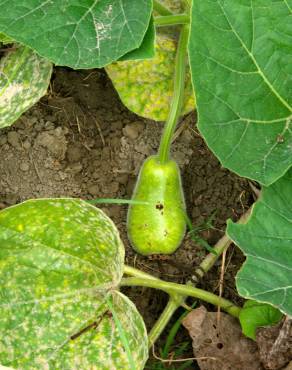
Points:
(223, 345)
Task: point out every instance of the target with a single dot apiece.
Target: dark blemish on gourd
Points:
(165, 233)
(159, 206)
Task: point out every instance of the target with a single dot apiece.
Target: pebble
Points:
(3, 140)
(133, 130)
(26, 144)
(24, 166)
(93, 189)
(13, 139)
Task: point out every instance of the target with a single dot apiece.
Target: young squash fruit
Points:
(159, 226)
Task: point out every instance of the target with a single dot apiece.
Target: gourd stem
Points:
(172, 305)
(183, 290)
(171, 20)
(160, 8)
(178, 95)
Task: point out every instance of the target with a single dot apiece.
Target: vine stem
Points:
(178, 95)
(173, 303)
(160, 8)
(171, 20)
(183, 290)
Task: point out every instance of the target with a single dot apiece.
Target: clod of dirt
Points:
(14, 139)
(220, 345)
(54, 141)
(133, 130)
(275, 344)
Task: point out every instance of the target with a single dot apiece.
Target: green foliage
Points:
(60, 264)
(254, 315)
(146, 49)
(241, 62)
(24, 79)
(266, 240)
(79, 34)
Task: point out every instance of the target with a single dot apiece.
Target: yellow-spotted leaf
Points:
(116, 340)
(60, 262)
(24, 79)
(146, 86)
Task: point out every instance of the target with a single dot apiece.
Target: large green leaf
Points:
(146, 49)
(241, 62)
(60, 261)
(79, 34)
(146, 86)
(24, 79)
(266, 240)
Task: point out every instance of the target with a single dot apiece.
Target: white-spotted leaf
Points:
(146, 86)
(60, 260)
(24, 79)
(266, 240)
(241, 62)
(79, 34)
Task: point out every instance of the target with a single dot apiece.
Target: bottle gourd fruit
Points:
(159, 225)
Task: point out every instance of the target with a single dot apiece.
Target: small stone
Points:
(3, 140)
(74, 153)
(133, 130)
(122, 178)
(24, 166)
(93, 189)
(26, 144)
(13, 139)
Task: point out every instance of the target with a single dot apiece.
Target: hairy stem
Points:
(219, 248)
(172, 20)
(174, 302)
(183, 290)
(178, 95)
(160, 8)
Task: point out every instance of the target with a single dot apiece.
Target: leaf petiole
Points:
(178, 95)
(172, 20)
(160, 8)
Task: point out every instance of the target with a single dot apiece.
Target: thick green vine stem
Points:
(160, 8)
(178, 95)
(172, 305)
(172, 20)
(183, 290)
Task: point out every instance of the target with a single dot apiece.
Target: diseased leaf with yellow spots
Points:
(60, 261)
(146, 86)
(102, 341)
(24, 79)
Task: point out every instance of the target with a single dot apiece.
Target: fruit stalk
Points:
(178, 95)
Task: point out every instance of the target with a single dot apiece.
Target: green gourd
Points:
(159, 225)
